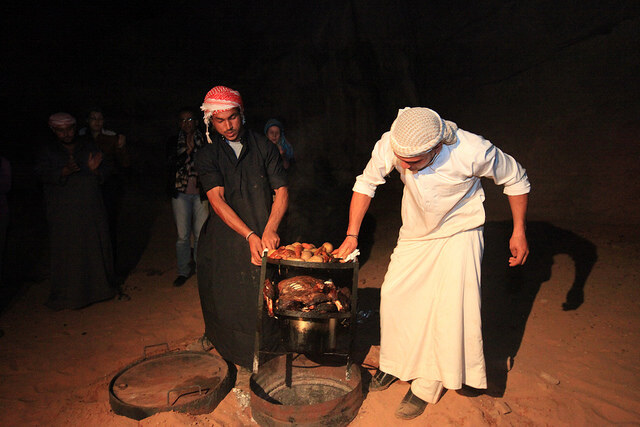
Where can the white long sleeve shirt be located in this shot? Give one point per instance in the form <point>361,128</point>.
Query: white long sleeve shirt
<point>446,197</point>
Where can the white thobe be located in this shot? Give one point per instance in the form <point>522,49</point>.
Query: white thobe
<point>430,298</point>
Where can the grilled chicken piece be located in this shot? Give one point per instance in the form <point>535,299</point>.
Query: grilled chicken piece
<point>282,253</point>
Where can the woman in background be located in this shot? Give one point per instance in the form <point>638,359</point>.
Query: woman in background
<point>274,131</point>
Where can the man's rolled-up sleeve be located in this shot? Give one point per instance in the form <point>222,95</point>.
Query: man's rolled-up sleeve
<point>379,166</point>
<point>503,170</point>
<point>208,170</point>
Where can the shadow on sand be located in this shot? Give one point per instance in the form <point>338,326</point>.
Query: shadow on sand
<point>507,294</point>
<point>134,229</point>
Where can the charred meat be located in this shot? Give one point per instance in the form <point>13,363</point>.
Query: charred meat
<point>306,294</point>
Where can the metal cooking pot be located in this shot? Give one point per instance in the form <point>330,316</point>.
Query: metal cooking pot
<point>312,332</point>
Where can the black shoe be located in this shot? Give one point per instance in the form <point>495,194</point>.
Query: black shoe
<point>180,280</point>
<point>381,381</point>
<point>410,407</point>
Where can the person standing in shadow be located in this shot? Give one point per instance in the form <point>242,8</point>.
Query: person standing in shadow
<point>71,170</point>
<point>189,203</point>
<point>115,152</point>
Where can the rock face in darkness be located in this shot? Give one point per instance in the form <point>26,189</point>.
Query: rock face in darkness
<point>523,75</point>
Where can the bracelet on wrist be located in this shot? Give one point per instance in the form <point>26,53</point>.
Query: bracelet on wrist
<point>249,235</point>
<point>355,236</point>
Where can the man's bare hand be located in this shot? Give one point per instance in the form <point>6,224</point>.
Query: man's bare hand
<point>270,239</point>
<point>349,245</point>
<point>70,167</point>
<point>94,161</point>
<point>519,249</point>
<point>256,248</point>
<point>122,141</point>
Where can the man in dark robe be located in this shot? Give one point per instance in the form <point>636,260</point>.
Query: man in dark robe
<point>115,152</point>
<point>240,170</point>
<point>71,169</point>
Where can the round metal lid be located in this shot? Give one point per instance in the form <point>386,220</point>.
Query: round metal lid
<point>186,381</point>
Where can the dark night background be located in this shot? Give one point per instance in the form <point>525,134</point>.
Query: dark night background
<point>553,83</point>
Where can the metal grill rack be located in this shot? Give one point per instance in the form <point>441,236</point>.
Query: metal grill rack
<point>342,274</point>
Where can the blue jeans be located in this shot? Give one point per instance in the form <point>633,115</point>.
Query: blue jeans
<point>190,213</point>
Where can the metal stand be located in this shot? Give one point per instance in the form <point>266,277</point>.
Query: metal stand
<point>309,269</point>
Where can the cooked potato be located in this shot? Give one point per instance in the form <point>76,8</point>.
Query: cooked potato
<point>301,251</point>
<point>328,247</point>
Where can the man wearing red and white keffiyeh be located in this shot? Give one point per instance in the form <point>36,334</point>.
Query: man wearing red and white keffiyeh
<point>218,100</point>
<point>240,172</point>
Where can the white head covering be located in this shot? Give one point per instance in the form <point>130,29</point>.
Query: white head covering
<point>418,130</point>
<point>61,119</point>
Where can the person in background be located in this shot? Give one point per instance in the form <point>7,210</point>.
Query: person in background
<point>95,124</point>
<point>71,170</point>
<point>274,131</point>
<point>115,152</point>
<point>239,170</point>
<point>5,187</point>
<point>430,327</point>
<point>189,203</point>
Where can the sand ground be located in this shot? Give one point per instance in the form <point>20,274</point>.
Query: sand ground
<point>568,367</point>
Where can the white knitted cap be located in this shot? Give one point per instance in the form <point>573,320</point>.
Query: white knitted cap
<point>418,130</point>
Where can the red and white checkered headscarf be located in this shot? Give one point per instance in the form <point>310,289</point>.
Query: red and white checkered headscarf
<point>61,120</point>
<point>220,98</point>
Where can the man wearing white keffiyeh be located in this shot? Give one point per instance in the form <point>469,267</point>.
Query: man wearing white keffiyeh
<point>430,328</point>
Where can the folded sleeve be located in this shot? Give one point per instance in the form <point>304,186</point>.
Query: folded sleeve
<point>491,162</point>
<point>380,165</point>
<point>208,169</point>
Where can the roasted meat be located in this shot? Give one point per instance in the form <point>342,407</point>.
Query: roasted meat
<point>301,300</point>
<point>306,294</point>
<point>269,295</point>
<point>297,283</point>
